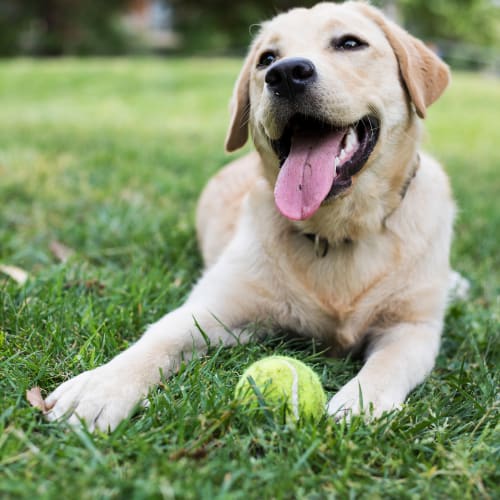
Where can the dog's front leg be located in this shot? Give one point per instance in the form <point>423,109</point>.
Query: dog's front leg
<point>397,361</point>
<point>102,397</point>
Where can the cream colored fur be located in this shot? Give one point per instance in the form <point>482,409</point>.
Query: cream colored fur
<point>384,280</point>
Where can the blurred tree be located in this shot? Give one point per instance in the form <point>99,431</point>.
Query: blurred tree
<point>224,24</point>
<point>56,27</point>
<point>473,21</point>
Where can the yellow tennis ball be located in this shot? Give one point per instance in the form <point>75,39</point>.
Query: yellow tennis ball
<point>282,383</point>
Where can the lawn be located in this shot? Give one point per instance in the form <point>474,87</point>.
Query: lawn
<point>108,157</point>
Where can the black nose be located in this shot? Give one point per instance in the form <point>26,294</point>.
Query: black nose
<point>290,76</point>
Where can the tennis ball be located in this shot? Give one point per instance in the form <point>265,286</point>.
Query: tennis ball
<point>283,386</point>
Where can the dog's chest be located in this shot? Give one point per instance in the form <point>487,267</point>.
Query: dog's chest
<point>333,296</point>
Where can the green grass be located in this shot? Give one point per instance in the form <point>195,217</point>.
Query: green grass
<point>108,156</point>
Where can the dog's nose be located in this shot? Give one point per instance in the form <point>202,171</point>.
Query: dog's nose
<point>290,76</point>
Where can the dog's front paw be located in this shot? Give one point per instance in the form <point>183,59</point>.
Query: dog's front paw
<point>101,398</point>
<point>354,399</point>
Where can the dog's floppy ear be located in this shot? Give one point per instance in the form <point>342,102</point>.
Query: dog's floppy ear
<point>237,133</point>
<point>424,74</point>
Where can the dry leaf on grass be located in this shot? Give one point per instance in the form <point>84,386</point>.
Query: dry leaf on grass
<point>34,396</point>
<point>91,285</point>
<point>20,276</point>
<point>60,251</point>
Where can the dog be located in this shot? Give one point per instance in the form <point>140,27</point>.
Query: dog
<point>337,227</point>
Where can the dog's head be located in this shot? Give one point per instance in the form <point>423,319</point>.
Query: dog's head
<point>328,93</point>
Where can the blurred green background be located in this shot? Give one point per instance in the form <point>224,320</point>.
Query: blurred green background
<point>465,32</point>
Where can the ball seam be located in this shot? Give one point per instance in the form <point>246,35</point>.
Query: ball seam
<point>295,390</point>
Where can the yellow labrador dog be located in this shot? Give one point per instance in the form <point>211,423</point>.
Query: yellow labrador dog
<point>337,227</point>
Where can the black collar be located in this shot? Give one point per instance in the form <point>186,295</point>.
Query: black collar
<point>412,175</point>
<point>322,245</point>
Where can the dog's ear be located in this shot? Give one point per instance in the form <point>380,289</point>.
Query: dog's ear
<point>239,106</point>
<point>425,75</point>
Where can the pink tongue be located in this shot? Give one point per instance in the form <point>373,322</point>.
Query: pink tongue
<point>306,177</point>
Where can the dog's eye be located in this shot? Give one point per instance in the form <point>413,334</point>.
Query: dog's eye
<point>349,42</point>
<point>266,59</point>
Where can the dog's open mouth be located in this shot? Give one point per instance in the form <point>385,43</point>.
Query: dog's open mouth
<point>318,160</point>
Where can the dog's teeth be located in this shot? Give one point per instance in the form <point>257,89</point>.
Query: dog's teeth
<point>337,161</point>
<point>343,154</point>
<point>351,140</point>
